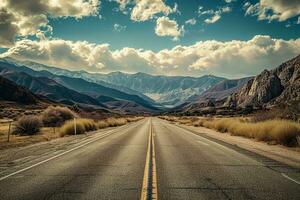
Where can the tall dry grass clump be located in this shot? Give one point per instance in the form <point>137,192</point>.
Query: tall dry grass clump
<point>85,125</point>
<point>28,125</point>
<point>102,124</point>
<point>55,116</point>
<point>69,129</point>
<point>112,122</point>
<point>88,124</point>
<point>283,132</point>
<point>134,119</point>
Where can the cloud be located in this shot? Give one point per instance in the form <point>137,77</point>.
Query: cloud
<point>23,18</point>
<point>146,9</point>
<point>119,28</point>
<point>192,21</point>
<point>270,10</point>
<point>215,14</point>
<point>230,59</point>
<point>168,27</point>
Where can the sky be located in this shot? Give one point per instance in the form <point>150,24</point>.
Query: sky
<point>229,38</point>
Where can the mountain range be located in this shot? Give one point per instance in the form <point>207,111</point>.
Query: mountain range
<point>167,91</point>
<point>144,93</point>
<point>268,89</point>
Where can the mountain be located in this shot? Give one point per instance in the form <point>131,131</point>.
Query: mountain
<point>223,89</point>
<point>12,92</point>
<point>280,85</point>
<point>167,90</point>
<point>47,87</point>
<point>94,92</point>
<point>90,77</point>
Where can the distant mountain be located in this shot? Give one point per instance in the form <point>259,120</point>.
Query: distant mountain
<point>90,77</point>
<point>224,89</point>
<point>49,88</point>
<point>96,93</point>
<point>167,90</point>
<point>280,85</point>
<point>12,92</point>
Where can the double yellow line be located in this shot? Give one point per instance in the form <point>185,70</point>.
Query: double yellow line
<point>149,188</point>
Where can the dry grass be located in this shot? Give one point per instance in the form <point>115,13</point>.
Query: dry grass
<point>85,125</point>
<point>28,125</point>
<point>283,132</point>
<point>56,116</point>
<point>69,128</point>
<point>112,122</point>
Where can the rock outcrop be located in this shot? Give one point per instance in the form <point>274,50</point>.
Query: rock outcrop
<point>280,85</point>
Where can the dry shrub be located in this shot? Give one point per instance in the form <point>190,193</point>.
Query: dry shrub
<point>112,122</point>
<point>69,129</point>
<point>134,119</point>
<point>102,124</point>
<point>280,131</point>
<point>28,125</point>
<point>56,116</point>
<point>88,124</point>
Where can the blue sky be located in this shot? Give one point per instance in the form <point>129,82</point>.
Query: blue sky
<point>230,38</point>
<point>232,26</point>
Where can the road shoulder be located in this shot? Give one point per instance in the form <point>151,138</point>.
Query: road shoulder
<point>286,155</point>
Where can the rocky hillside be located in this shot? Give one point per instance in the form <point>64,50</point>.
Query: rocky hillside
<point>224,89</point>
<point>280,85</point>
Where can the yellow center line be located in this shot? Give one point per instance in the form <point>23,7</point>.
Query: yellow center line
<point>149,188</point>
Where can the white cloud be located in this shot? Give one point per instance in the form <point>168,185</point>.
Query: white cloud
<point>23,18</point>
<point>213,19</point>
<point>147,9</point>
<point>231,59</point>
<point>215,14</point>
<point>119,28</point>
<point>168,27</point>
<point>280,10</point>
<point>191,21</point>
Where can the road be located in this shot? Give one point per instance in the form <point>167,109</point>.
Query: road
<point>151,159</point>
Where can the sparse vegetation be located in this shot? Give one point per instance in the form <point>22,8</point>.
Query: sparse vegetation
<point>84,125</point>
<point>280,131</point>
<point>28,125</point>
<point>69,129</point>
<point>116,121</point>
<point>56,116</point>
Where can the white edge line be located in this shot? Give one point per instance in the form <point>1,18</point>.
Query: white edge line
<point>286,176</point>
<point>61,154</point>
<point>203,138</point>
<point>204,143</point>
<point>56,156</point>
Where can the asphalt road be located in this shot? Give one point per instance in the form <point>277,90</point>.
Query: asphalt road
<point>152,159</point>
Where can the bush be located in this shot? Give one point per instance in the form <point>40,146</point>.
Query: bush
<point>56,116</point>
<point>28,125</point>
<point>102,124</point>
<point>112,122</point>
<point>68,128</point>
<point>88,124</point>
<point>283,132</point>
